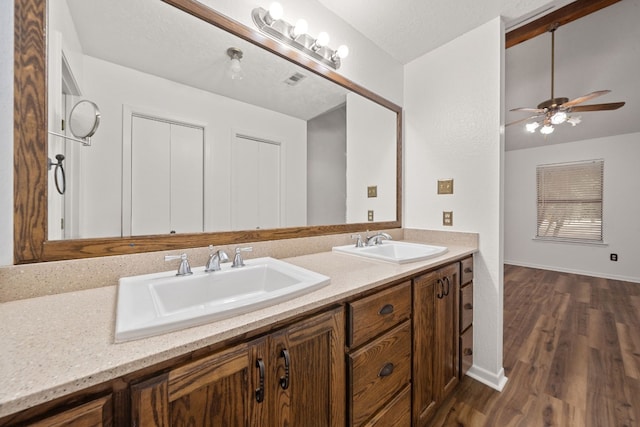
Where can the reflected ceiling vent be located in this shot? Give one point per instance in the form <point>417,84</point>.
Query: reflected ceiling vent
<point>295,78</point>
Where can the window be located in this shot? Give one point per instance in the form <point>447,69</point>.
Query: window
<point>570,201</point>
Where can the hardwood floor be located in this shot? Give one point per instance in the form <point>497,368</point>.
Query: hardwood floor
<point>571,353</point>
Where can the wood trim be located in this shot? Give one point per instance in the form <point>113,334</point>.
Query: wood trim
<point>30,152</point>
<point>30,124</point>
<point>562,16</point>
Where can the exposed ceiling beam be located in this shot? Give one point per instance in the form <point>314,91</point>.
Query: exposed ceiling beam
<point>562,16</point>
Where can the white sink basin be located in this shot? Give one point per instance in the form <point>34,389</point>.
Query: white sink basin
<point>393,251</point>
<point>156,303</point>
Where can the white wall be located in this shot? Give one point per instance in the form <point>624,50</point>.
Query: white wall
<point>621,209</point>
<point>112,86</point>
<point>371,160</point>
<point>453,114</point>
<point>6,132</point>
<point>327,168</point>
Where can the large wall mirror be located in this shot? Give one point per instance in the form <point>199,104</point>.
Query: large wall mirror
<point>186,153</point>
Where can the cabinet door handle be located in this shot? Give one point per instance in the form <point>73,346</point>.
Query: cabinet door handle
<point>446,279</point>
<point>284,381</point>
<point>260,389</point>
<point>467,352</point>
<point>440,293</point>
<point>386,309</point>
<point>386,370</point>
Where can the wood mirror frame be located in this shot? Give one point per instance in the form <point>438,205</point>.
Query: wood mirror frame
<point>30,150</point>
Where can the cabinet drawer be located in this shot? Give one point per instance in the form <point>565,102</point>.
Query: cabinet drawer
<point>396,414</point>
<point>370,316</point>
<point>466,351</point>
<point>378,371</point>
<point>466,306</point>
<point>466,275</point>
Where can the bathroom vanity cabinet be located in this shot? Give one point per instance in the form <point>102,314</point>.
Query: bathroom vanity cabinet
<point>386,356</point>
<point>290,377</point>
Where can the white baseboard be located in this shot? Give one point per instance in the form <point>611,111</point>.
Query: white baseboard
<point>573,271</point>
<point>493,380</point>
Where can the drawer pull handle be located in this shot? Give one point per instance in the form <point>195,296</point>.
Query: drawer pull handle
<point>284,381</point>
<point>446,280</point>
<point>386,370</point>
<point>386,309</point>
<point>467,352</point>
<point>468,306</point>
<point>468,270</point>
<point>260,389</point>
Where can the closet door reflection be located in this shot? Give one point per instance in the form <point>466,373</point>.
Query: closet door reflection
<point>255,183</point>
<point>164,202</point>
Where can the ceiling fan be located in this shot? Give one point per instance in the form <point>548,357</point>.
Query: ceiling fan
<point>555,111</point>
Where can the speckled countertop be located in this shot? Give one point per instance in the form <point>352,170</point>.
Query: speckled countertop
<point>57,344</point>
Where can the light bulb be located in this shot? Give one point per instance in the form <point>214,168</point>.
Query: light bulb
<point>235,70</point>
<point>299,29</point>
<point>323,39</point>
<point>559,117</point>
<point>546,129</point>
<point>574,120</point>
<point>531,127</point>
<point>342,51</point>
<point>275,11</point>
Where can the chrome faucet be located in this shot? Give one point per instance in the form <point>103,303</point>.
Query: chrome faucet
<point>358,239</point>
<point>376,239</point>
<point>237,259</point>
<point>215,259</point>
<point>184,269</point>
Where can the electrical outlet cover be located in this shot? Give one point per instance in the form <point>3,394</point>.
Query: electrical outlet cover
<point>447,218</point>
<point>445,186</point>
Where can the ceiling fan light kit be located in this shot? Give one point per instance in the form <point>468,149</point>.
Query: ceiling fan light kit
<point>556,111</point>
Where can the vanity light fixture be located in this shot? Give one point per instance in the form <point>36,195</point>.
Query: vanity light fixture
<point>271,23</point>
<point>235,70</point>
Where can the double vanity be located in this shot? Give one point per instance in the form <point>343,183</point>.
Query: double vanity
<point>358,336</point>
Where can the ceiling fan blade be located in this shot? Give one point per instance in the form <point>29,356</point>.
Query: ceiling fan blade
<point>597,107</point>
<point>529,110</point>
<point>523,120</point>
<point>584,98</point>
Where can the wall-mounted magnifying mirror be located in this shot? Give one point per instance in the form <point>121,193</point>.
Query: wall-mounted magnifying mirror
<point>84,120</point>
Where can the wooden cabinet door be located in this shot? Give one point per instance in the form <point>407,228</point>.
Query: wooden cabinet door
<point>447,331</point>
<point>436,339</point>
<point>97,413</point>
<point>309,371</point>
<point>219,390</point>
<point>424,355</point>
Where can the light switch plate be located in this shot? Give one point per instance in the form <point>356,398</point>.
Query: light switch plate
<point>447,218</point>
<point>445,186</point>
<point>370,215</point>
<point>372,191</point>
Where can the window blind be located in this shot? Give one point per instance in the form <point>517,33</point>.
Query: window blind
<point>570,201</point>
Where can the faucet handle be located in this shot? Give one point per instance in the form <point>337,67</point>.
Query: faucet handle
<point>237,259</point>
<point>359,243</point>
<point>184,269</point>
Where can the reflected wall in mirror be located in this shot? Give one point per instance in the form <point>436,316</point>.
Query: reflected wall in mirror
<point>182,148</point>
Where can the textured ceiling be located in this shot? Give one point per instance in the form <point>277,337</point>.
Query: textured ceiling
<point>156,38</point>
<point>408,29</point>
<point>598,51</point>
